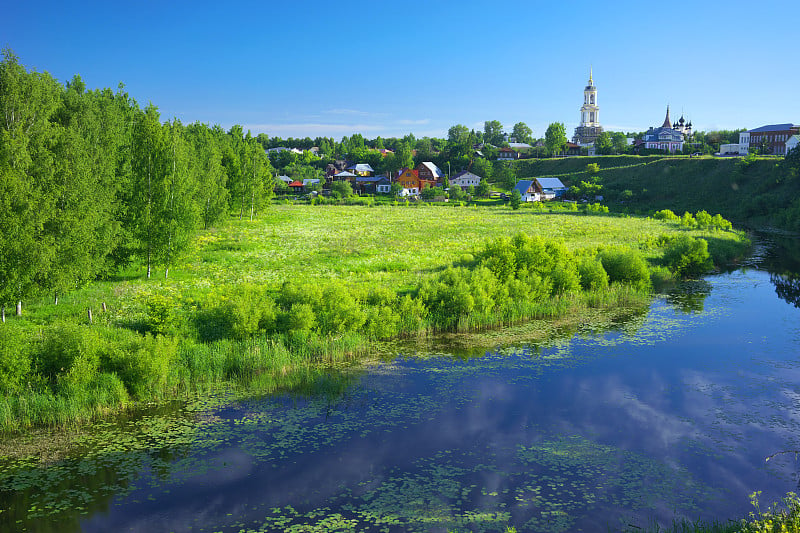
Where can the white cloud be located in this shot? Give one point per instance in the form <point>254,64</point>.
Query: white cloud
<point>312,129</point>
<point>410,122</point>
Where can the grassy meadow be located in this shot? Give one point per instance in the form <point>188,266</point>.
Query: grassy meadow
<point>259,303</point>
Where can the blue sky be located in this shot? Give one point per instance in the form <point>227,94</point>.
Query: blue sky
<point>389,68</point>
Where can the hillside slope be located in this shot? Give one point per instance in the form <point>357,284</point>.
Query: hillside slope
<point>763,192</point>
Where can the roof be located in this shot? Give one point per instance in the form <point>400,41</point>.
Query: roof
<point>310,181</point>
<point>773,127</point>
<point>344,174</point>
<point>520,146</point>
<point>550,183</point>
<point>361,167</point>
<point>464,173</point>
<point>667,123</point>
<point>436,171</point>
<point>413,171</point>
<point>371,179</point>
<point>295,184</point>
<point>522,186</point>
<point>287,179</point>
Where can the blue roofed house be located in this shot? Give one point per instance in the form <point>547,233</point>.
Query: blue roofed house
<point>361,169</point>
<point>527,190</point>
<point>549,188</point>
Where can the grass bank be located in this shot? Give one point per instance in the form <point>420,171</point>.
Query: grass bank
<point>757,192</point>
<point>268,303</point>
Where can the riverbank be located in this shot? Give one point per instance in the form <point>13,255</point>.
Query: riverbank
<point>310,286</point>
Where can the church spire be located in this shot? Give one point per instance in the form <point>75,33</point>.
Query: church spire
<point>667,123</point>
<point>591,81</point>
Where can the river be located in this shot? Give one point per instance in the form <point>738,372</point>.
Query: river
<point>667,415</point>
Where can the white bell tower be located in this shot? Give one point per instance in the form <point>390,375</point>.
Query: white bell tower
<point>590,112</point>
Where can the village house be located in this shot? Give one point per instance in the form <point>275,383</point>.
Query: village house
<point>372,184</point>
<point>792,143</point>
<point>507,154</point>
<point>409,182</point>
<point>361,169</point>
<point>465,179</point>
<point>773,137</point>
<point>527,191</point>
<point>429,172</point>
<point>549,188</point>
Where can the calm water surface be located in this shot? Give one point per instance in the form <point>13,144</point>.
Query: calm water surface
<point>669,414</point>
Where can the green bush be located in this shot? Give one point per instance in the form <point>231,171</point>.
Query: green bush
<point>164,313</point>
<point>626,266</point>
<point>592,275</point>
<point>666,214</point>
<point>249,310</point>
<point>15,359</point>
<point>68,354</point>
<point>688,257</point>
<point>339,311</point>
<point>143,363</point>
<point>299,317</point>
<point>703,219</point>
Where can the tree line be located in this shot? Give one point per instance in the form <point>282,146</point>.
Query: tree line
<point>90,181</point>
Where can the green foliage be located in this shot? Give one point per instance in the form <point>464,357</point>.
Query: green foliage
<point>592,274</point>
<point>163,313</point>
<point>15,359</point>
<point>774,519</point>
<point>249,310</point>
<point>592,168</point>
<point>342,188</point>
<point>555,138</point>
<point>688,257</point>
<point>596,208</point>
<point>626,266</point>
<point>516,200</point>
<point>68,355</point>
<point>666,214</point>
<point>143,363</point>
<point>429,193</point>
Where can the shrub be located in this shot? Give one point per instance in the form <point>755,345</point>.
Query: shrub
<point>248,311</point>
<point>164,313</point>
<point>703,219</point>
<point>666,214</point>
<point>592,275</point>
<point>626,266</point>
<point>299,317</point>
<point>688,220</point>
<point>15,359</point>
<point>596,208</point>
<point>142,363</point>
<point>69,354</point>
<point>412,314</point>
<point>688,257</point>
<point>339,312</point>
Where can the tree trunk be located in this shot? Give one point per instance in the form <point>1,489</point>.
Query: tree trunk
<point>89,312</point>
<point>166,273</point>
<point>55,299</point>
<point>104,307</point>
<point>19,308</point>
<point>148,264</point>
<point>3,313</point>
